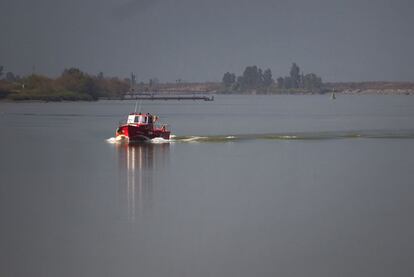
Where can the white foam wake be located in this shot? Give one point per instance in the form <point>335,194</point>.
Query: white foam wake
<point>159,140</point>
<point>117,139</point>
<point>193,139</point>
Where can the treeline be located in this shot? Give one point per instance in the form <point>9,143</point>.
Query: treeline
<point>254,79</point>
<point>71,85</point>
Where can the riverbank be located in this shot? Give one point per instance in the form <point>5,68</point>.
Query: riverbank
<point>16,92</point>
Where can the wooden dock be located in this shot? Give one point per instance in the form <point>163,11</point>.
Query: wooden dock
<point>163,97</point>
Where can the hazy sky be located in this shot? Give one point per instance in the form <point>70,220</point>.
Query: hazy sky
<point>196,40</point>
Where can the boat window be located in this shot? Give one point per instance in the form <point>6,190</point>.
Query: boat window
<point>140,119</point>
<point>131,119</point>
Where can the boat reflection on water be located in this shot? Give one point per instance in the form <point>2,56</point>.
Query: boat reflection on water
<point>140,166</point>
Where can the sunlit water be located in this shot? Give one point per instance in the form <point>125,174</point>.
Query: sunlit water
<point>248,186</point>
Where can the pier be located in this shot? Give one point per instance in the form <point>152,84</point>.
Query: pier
<point>163,97</point>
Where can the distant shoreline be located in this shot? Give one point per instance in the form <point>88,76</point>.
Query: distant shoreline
<point>75,85</point>
<point>353,93</point>
<point>172,89</point>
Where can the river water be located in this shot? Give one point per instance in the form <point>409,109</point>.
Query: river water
<point>250,186</point>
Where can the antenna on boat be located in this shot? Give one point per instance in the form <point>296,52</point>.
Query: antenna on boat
<point>136,102</point>
<point>139,107</point>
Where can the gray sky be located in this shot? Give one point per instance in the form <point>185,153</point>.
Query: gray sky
<point>196,40</point>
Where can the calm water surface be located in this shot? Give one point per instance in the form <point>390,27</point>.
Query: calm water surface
<point>279,186</point>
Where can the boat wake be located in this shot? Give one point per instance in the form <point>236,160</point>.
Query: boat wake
<point>118,139</point>
<point>333,135</point>
<point>159,140</point>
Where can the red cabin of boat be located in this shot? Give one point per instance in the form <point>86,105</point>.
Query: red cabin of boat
<point>141,127</point>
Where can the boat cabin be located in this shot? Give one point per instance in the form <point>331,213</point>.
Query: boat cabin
<point>138,118</point>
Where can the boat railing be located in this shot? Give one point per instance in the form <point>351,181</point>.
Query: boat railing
<point>160,125</point>
<point>157,125</point>
<point>125,121</point>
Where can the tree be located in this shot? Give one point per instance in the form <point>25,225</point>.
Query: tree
<point>75,80</point>
<point>295,75</point>
<point>228,79</point>
<point>260,77</point>
<point>251,78</point>
<point>113,86</point>
<point>301,80</point>
<point>100,76</point>
<point>311,81</point>
<point>280,82</point>
<point>133,81</point>
<point>73,71</point>
<point>39,83</point>
<point>267,78</point>
<point>296,80</point>
<point>288,83</point>
<point>1,70</point>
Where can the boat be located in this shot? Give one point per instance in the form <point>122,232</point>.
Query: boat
<point>141,127</point>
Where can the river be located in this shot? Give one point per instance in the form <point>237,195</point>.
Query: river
<point>250,186</point>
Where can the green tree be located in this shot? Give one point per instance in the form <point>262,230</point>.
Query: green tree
<point>280,82</point>
<point>73,79</point>
<point>113,87</point>
<point>295,75</point>
<point>260,76</point>
<point>1,70</point>
<point>288,83</point>
<point>311,81</point>
<point>251,78</point>
<point>228,79</point>
<point>267,78</point>
<point>296,79</point>
<point>39,83</point>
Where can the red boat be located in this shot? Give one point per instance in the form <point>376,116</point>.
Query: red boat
<point>141,127</point>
